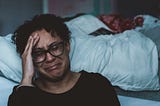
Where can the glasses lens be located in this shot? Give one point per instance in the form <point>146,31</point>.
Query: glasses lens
<point>38,56</point>
<point>56,49</point>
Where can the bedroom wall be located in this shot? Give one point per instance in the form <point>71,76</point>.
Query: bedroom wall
<point>130,8</point>
<point>15,12</point>
<point>72,7</point>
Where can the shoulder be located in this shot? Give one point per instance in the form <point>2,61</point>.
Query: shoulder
<point>95,77</point>
<point>92,75</point>
<point>23,89</point>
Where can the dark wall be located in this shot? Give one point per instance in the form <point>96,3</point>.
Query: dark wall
<point>72,7</point>
<point>15,12</point>
<point>131,8</point>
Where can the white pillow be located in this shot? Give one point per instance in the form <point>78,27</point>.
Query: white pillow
<point>10,62</point>
<point>85,24</point>
<point>129,60</point>
<point>6,89</point>
<point>151,29</point>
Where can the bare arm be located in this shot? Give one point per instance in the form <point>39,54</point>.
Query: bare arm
<point>27,63</point>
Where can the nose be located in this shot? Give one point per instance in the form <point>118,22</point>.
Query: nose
<point>49,57</point>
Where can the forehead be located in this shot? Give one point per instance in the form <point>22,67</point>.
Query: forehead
<point>45,38</point>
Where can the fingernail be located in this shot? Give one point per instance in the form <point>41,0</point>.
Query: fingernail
<point>30,37</point>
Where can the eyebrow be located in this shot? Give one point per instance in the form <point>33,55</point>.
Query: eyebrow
<point>38,49</point>
<point>53,43</point>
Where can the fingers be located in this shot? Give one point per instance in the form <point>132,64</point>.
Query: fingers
<point>36,39</point>
<point>32,41</point>
<point>27,62</point>
<point>29,42</point>
<point>30,45</point>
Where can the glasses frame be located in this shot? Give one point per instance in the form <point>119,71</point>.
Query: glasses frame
<point>48,51</point>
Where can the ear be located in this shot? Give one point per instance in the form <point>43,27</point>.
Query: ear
<point>68,46</point>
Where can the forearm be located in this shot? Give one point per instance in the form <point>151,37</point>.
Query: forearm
<point>27,63</point>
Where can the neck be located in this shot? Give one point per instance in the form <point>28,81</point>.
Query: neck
<point>61,86</point>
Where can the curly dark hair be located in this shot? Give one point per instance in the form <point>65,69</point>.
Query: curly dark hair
<point>50,22</point>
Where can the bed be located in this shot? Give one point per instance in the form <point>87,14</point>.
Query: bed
<point>7,86</point>
<point>128,59</point>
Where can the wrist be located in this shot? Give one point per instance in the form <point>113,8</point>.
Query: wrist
<point>20,85</point>
<point>26,81</point>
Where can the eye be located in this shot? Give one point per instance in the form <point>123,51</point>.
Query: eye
<point>36,54</point>
<point>54,47</point>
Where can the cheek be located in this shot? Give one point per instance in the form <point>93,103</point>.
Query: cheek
<point>65,59</point>
<point>39,68</point>
<point>66,64</point>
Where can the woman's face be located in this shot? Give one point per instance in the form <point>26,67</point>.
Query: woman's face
<point>55,55</point>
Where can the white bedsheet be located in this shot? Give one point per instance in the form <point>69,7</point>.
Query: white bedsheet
<point>5,90</point>
<point>129,59</point>
<point>130,101</point>
<point>7,85</point>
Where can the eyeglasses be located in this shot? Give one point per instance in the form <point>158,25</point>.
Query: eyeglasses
<point>54,49</point>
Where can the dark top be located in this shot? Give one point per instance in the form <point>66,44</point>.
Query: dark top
<point>90,90</point>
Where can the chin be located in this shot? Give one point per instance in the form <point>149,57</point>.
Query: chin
<point>54,76</point>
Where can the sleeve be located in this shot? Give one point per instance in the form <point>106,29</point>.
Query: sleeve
<point>20,95</point>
